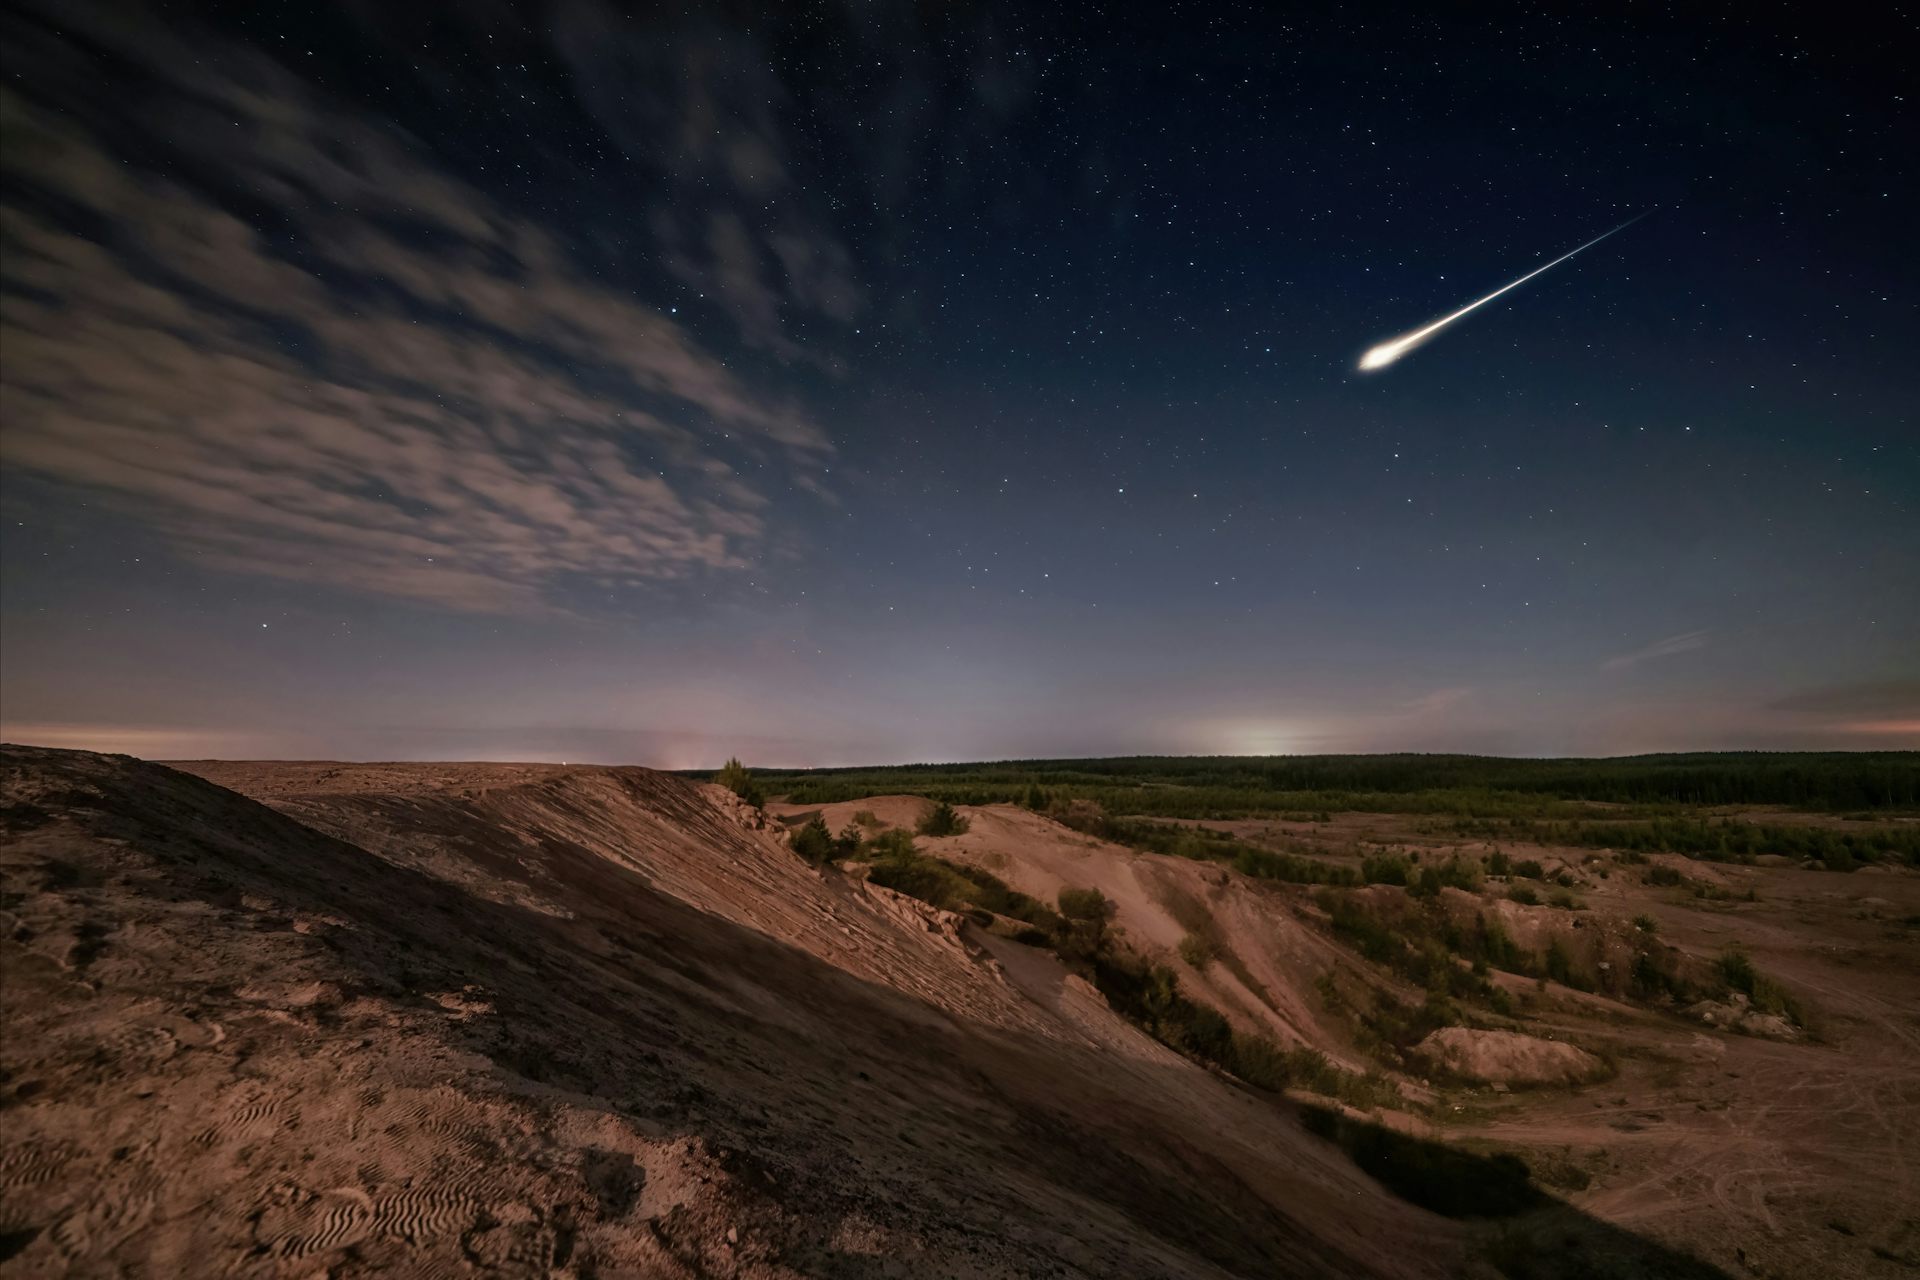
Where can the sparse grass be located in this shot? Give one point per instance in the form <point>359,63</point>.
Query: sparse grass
<point>1737,972</point>
<point>898,864</point>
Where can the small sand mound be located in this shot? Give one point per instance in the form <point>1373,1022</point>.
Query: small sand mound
<point>1506,1057</point>
<point>1736,1013</point>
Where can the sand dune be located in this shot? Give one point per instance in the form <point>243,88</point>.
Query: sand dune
<point>527,1020</point>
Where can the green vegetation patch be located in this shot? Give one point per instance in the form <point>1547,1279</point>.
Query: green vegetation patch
<point>1711,839</point>
<point>1463,786</point>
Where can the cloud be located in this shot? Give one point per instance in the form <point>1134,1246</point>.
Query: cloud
<point>1685,642</point>
<point>705,108</point>
<point>346,367</point>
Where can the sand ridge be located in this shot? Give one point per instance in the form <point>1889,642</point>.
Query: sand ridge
<point>250,1041</point>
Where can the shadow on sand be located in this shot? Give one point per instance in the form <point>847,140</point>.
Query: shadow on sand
<point>1539,1238</point>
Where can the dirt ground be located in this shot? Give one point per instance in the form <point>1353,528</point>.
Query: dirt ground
<point>320,1018</point>
<point>1763,1158</point>
<point>1766,1158</point>
<point>467,1020</point>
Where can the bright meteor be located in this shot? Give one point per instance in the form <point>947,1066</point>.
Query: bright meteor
<point>1387,352</point>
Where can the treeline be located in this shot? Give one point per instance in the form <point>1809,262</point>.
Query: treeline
<point>1207,786</point>
<point>1717,840</point>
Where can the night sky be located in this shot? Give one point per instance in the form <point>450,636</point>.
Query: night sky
<point>880,383</point>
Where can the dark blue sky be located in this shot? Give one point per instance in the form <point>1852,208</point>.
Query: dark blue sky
<point>858,383</point>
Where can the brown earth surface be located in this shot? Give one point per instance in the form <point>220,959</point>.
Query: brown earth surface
<point>446,1019</point>
<point>322,1018</point>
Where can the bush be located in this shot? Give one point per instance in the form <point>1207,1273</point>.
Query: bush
<point>734,777</point>
<point>1499,864</point>
<point>813,841</point>
<point>1199,950</point>
<point>943,820</point>
<point>1524,896</point>
<point>927,879</point>
<point>1559,966</point>
<point>1531,869</point>
<point>1083,926</point>
<point>1737,972</point>
<point>1386,868</point>
<point>1645,923</point>
<point>1654,974</point>
<point>895,844</point>
<point>1450,874</point>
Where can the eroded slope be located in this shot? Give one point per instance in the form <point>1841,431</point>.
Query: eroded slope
<point>458,1019</point>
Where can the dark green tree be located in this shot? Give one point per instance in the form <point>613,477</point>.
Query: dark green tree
<point>813,841</point>
<point>943,820</point>
<point>734,777</point>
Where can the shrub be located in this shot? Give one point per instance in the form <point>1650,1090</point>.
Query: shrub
<point>813,841</point>
<point>1645,923</point>
<point>734,777</point>
<point>1385,868</point>
<point>895,844</point>
<point>1566,901</point>
<point>1524,896</point>
<point>1653,975</point>
<point>1199,950</point>
<point>1264,864</point>
<point>1498,946</point>
<point>1499,864</point>
<point>1083,925</point>
<point>943,820</point>
<point>1450,874</point>
<point>1531,869</point>
<point>1559,965</point>
<point>1665,876</point>
<point>1260,1062</point>
<point>1737,972</point>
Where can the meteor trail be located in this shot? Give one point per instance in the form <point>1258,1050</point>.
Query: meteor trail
<point>1387,352</point>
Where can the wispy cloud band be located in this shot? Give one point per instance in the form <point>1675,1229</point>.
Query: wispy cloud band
<point>349,367</point>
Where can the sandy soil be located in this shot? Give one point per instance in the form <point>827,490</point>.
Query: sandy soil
<point>462,1019</point>
<point>1508,1057</point>
<point>1768,1158</point>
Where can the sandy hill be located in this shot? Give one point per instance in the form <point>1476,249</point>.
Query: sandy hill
<point>451,1019</point>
